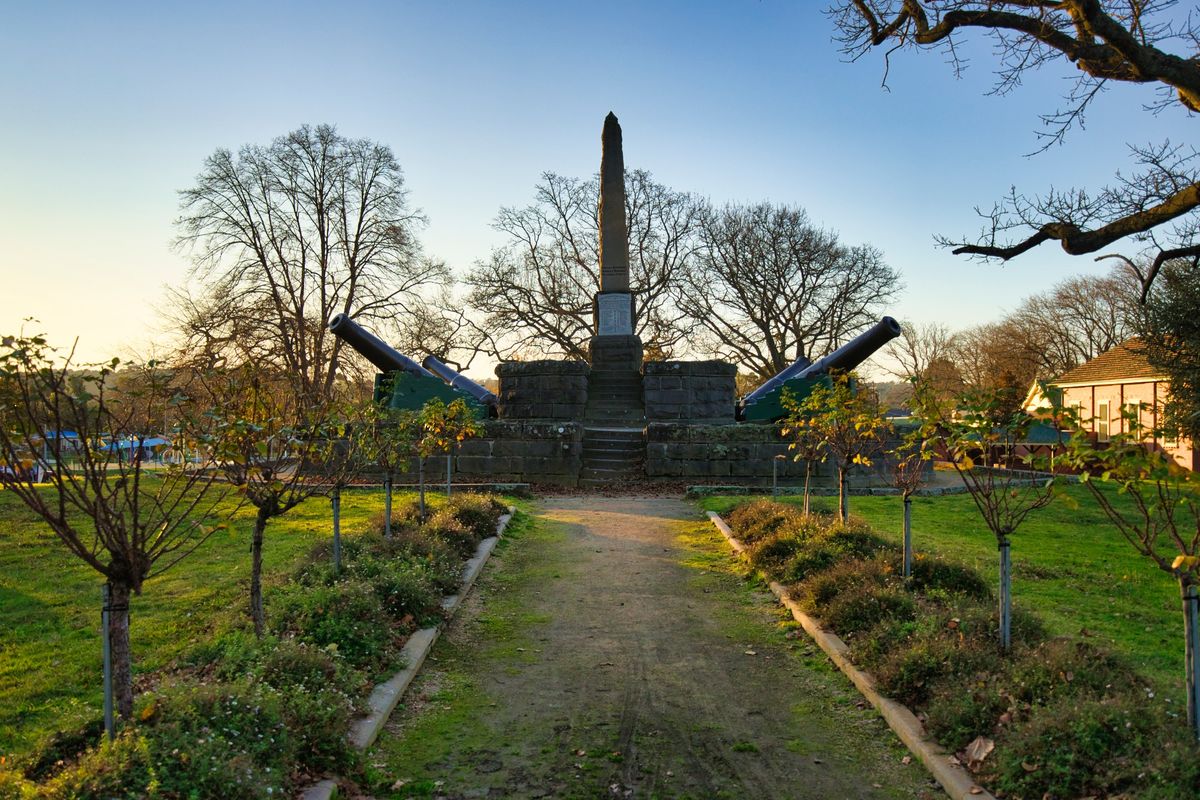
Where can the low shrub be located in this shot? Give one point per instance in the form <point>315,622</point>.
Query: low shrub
<point>1074,748</point>
<point>478,513</point>
<point>959,711</point>
<point>347,615</point>
<point>759,519</point>
<point>932,576</point>
<point>771,552</point>
<point>13,785</point>
<point>408,593</point>
<point>318,719</point>
<point>1066,668</point>
<point>231,655</point>
<point>831,546</point>
<point>122,769</point>
<point>446,527</point>
<point>943,648</point>
<point>219,740</point>
<point>852,612</point>
<point>818,590</point>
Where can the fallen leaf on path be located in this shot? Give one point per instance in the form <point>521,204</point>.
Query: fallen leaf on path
<point>751,653</point>
<point>976,790</point>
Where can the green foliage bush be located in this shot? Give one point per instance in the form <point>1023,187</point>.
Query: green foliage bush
<point>762,518</point>
<point>961,709</point>
<point>835,544</point>
<point>933,576</point>
<point>772,552</point>
<point>446,527</point>
<point>1070,749</point>
<point>122,769</point>
<point>478,513</point>
<point>347,614</point>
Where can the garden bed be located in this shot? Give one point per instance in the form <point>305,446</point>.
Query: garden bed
<point>1054,717</point>
<point>241,717</point>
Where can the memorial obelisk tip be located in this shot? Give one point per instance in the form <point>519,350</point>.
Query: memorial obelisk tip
<point>614,238</point>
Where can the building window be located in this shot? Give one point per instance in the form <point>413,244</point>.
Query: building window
<point>1102,421</point>
<point>1133,419</point>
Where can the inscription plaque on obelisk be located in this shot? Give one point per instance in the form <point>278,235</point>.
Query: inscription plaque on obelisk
<point>614,302</point>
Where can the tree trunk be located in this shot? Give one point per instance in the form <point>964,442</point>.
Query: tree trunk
<point>1191,650</point>
<point>1005,593</point>
<point>256,600</point>
<point>907,536</point>
<point>387,505</point>
<point>843,495</point>
<point>118,643</point>
<point>449,469</point>
<point>807,483</point>
<point>421,486</point>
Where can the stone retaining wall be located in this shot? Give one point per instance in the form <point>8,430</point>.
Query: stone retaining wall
<point>546,390</point>
<point>739,452</point>
<point>698,391</point>
<point>528,452</point>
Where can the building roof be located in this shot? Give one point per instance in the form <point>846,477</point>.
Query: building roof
<point>1122,363</point>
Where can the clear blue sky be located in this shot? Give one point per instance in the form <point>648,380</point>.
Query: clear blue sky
<point>110,109</point>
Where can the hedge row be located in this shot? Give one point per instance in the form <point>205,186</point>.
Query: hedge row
<point>248,718</point>
<point>1068,719</point>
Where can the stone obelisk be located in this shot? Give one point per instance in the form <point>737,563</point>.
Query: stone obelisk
<point>614,302</point>
<point>615,398</point>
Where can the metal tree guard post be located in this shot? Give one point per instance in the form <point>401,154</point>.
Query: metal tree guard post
<point>105,609</point>
<point>387,505</point>
<point>907,536</point>
<point>1191,617</point>
<point>336,501</point>
<point>1005,593</point>
<point>449,467</point>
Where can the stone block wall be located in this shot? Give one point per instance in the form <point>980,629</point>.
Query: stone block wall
<point>523,452</point>
<point>623,353</point>
<point>737,453</point>
<point>545,390</point>
<point>698,391</point>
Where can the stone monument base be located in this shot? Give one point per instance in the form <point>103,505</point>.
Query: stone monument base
<point>616,353</point>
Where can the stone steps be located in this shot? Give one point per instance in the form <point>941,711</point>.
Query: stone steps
<point>612,455</point>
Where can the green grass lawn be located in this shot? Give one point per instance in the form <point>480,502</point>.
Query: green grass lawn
<point>50,665</point>
<point>1070,567</point>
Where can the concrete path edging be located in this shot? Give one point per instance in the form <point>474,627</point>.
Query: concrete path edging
<point>386,696</point>
<point>955,780</point>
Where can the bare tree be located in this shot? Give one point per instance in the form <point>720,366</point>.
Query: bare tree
<point>286,235</point>
<point>997,357</point>
<point>1077,320</point>
<point>769,286</point>
<point>1106,41</point>
<point>919,348</point>
<point>537,290</point>
<point>80,436</point>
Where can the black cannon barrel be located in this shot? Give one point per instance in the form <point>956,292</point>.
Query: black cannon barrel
<point>374,349</point>
<point>777,379</point>
<point>458,380</point>
<point>855,351</point>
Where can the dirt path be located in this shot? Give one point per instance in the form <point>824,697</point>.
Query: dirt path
<point>612,650</point>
